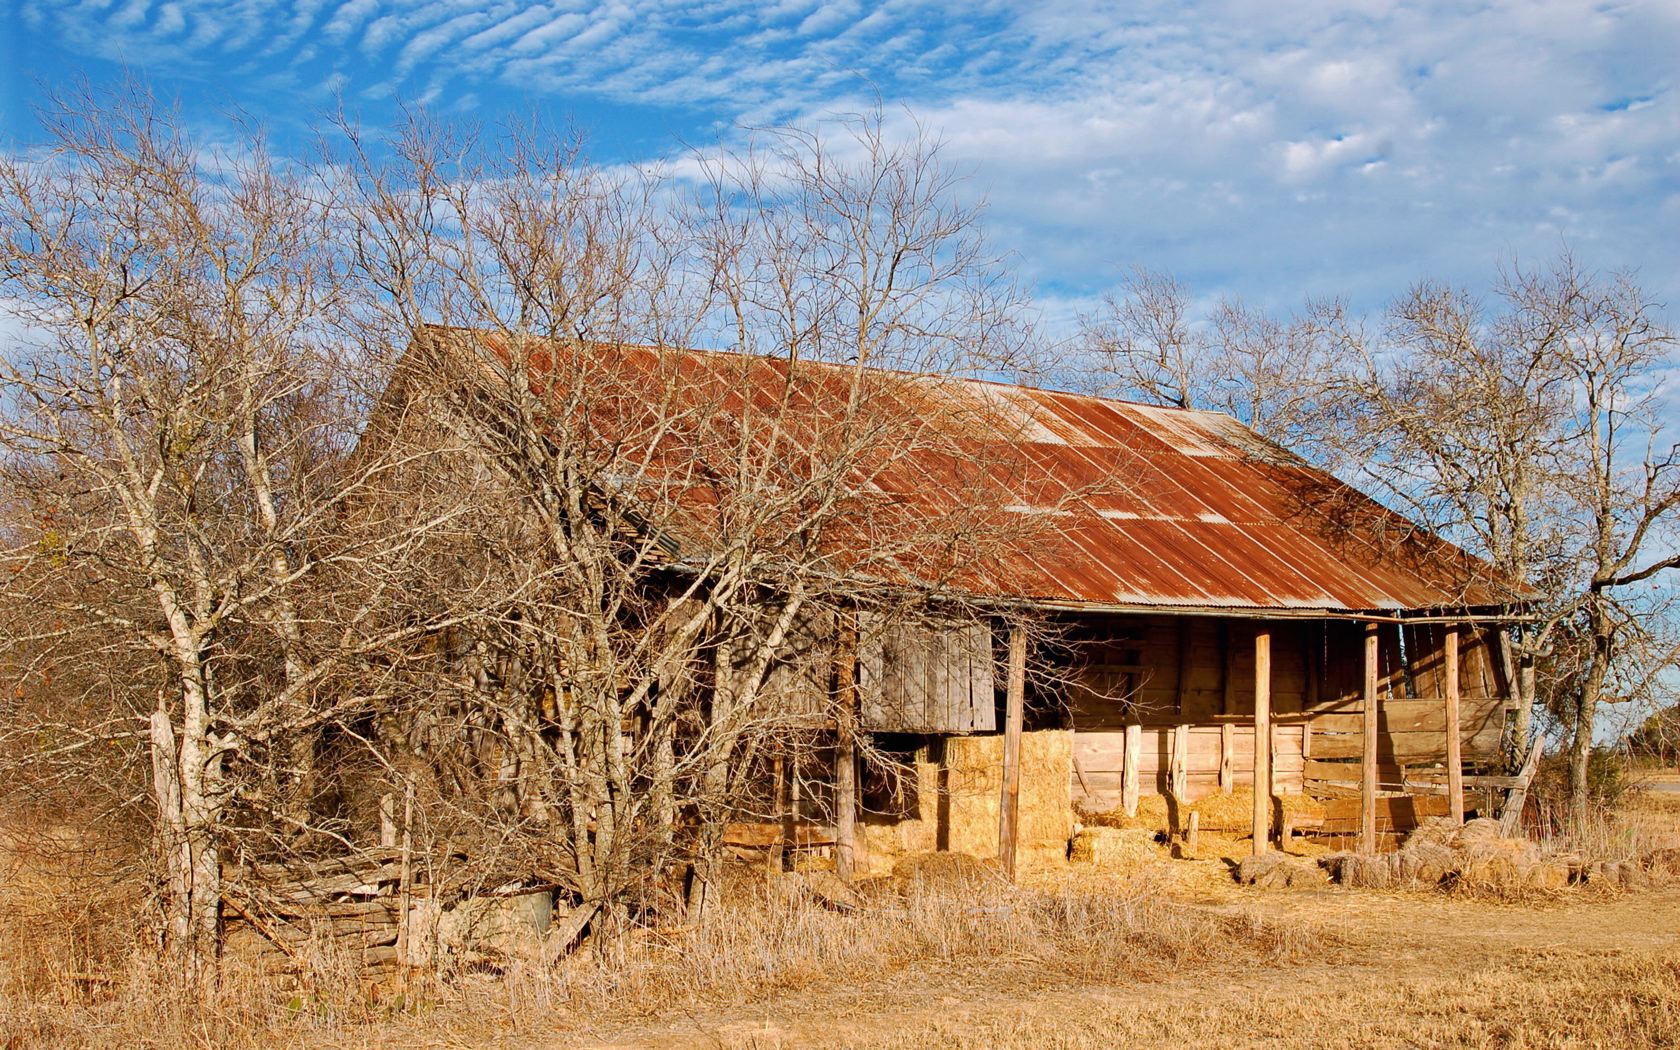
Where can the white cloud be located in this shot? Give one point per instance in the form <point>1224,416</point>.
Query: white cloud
<point>1332,148</point>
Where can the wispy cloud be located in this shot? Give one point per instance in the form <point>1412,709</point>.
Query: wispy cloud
<point>1334,148</point>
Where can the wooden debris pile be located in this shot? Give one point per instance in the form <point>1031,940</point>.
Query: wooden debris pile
<point>355,906</point>
<point>354,903</point>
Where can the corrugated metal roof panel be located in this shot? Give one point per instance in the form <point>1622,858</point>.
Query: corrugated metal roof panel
<point>1138,504</point>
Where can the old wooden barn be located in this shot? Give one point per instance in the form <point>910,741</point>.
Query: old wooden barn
<point>1193,610</point>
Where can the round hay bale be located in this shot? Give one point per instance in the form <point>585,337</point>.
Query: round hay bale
<point>1257,870</point>
<point>1433,833</point>
<point>1300,873</point>
<point>1482,829</point>
<point>1427,862</point>
<point>1549,875</point>
<point>1365,870</point>
<point>941,870</point>
<point>1663,863</point>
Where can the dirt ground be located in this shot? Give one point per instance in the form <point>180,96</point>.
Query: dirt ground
<point>1386,969</point>
<point>1377,969</point>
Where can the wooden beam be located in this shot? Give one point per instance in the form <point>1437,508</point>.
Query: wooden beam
<point>1014,704</point>
<point>1227,756</point>
<point>1455,760</point>
<point>1368,759</point>
<point>1129,769</point>
<point>1262,739</point>
<point>845,750</point>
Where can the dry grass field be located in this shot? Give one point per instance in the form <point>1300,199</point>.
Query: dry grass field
<point>945,956</point>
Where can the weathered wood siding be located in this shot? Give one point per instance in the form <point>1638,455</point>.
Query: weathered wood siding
<point>926,679</point>
<point>1162,671</point>
<point>1099,762</point>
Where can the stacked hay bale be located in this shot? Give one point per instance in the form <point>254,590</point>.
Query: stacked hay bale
<point>974,770</point>
<point>959,793</point>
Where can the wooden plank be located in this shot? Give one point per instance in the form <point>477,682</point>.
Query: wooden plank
<point>1405,716</point>
<point>1411,748</point>
<point>1227,737</point>
<point>1455,762</point>
<point>1262,781</point>
<point>1129,769</point>
<point>1013,712</point>
<point>1368,759</point>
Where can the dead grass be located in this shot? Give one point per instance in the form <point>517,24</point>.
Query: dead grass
<point>768,941</point>
<point>942,954</point>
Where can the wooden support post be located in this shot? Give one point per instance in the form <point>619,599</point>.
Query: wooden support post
<point>1192,834</point>
<point>1181,763</point>
<point>1129,771</point>
<point>845,750</point>
<point>1455,758</point>
<point>1368,755</point>
<point>1227,757</point>
<point>778,857</point>
<point>1013,715</point>
<point>1262,739</point>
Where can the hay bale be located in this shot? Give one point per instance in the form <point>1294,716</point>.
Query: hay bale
<point>1663,863</point>
<point>1362,870</point>
<point>1433,833</point>
<point>974,773</point>
<point>1113,847</point>
<point>1482,829</point>
<point>1257,870</point>
<point>1427,862</point>
<point>958,870</point>
<point>1234,810</point>
<point>1549,875</point>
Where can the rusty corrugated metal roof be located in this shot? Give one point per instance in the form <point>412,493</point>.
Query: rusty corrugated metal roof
<point>1140,505</point>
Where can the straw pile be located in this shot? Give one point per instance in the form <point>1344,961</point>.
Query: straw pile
<point>1124,848</point>
<point>965,820</point>
<point>1223,811</point>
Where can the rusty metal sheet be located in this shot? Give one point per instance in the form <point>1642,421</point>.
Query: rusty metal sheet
<point>1121,504</point>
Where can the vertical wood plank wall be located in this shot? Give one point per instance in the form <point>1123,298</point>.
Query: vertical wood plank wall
<point>1158,672</point>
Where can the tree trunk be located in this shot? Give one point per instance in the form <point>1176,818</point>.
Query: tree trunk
<point>1586,710</point>
<point>186,789</point>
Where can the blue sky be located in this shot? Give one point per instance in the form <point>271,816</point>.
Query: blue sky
<point>1262,149</point>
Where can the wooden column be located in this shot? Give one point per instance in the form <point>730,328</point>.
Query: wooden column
<point>1013,714</point>
<point>1368,755</point>
<point>845,749</point>
<point>1129,771</point>
<point>1227,757</point>
<point>1455,759</point>
<point>1262,739</point>
<point>780,856</point>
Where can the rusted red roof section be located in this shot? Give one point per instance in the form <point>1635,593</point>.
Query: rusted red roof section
<point>1137,505</point>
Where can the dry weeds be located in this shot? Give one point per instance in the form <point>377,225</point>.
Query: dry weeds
<point>942,954</point>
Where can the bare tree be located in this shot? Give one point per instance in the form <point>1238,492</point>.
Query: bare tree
<point>674,541</point>
<point>1530,434</point>
<point>175,426</point>
<point>1278,376</point>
